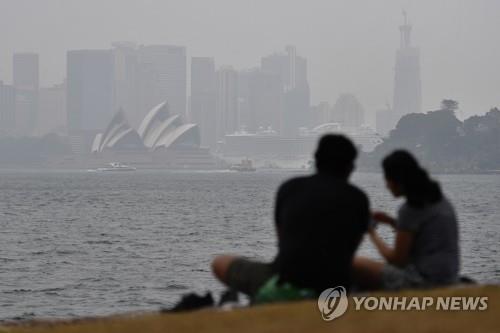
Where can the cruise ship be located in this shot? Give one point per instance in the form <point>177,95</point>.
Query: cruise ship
<point>267,147</point>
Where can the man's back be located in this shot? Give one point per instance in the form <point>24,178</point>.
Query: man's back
<point>320,221</point>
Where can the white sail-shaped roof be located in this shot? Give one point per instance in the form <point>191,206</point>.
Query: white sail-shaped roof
<point>111,143</point>
<point>117,130</point>
<point>96,143</point>
<point>158,113</point>
<point>160,130</point>
<point>175,135</point>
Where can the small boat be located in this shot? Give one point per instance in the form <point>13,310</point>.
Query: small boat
<point>246,165</point>
<point>117,166</point>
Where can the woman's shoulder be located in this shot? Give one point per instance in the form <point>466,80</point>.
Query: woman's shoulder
<point>445,206</point>
<point>442,206</point>
<point>407,211</point>
<point>409,217</point>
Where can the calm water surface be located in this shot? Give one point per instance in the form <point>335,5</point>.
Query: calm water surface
<point>82,243</point>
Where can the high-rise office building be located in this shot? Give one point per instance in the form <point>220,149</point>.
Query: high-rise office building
<point>52,110</point>
<point>126,81</point>
<point>261,100</point>
<point>90,89</point>
<point>291,68</point>
<point>162,75</point>
<point>228,119</point>
<point>348,111</point>
<point>89,95</point>
<point>297,104</point>
<point>26,82</point>
<point>26,74</point>
<point>407,85</point>
<point>7,110</point>
<point>247,116</point>
<point>203,99</point>
<point>320,114</point>
<point>292,71</point>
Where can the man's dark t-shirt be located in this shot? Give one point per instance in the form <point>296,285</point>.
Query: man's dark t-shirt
<point>320,222</point>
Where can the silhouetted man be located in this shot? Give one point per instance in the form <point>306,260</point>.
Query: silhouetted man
<point>320,221</point>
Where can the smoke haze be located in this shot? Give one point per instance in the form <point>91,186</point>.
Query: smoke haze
<point>350,45</point>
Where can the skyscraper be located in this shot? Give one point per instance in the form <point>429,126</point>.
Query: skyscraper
<point>292,71</point>
<point>89,95</point>
<point>261,100</point>
<point>407,85</point>
<point>26,82</point>
<point>7,109</point>
<point>228,119</point>
<point>348,111</point>
<point>52,110</point>
<point>320,114</point>
<point>162,75</point>
<point>203,98</point>
<point>126,81</point>
<point>90,89</point>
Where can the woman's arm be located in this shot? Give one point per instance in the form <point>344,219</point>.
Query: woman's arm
<point>400,253</point>
<point>384,218</point>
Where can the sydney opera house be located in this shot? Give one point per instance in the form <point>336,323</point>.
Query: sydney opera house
<point>162,140</point>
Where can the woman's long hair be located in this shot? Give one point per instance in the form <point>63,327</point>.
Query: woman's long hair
<point>403,169</point>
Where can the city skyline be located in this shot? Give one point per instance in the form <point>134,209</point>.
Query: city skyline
<point>238,165</point>
<point>349,45</point>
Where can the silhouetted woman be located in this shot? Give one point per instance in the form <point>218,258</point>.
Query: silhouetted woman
<point>425,252</point>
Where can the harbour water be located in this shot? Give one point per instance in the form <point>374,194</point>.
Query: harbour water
<point>79,243</point>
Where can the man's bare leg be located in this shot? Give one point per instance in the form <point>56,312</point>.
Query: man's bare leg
<point>367,273</point>
<point>220,266</point>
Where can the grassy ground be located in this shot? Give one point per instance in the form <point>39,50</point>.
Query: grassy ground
<point>295,317</point>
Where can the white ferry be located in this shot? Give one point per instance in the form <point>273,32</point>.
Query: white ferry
<point>117,166</point>
<point>246,165</point>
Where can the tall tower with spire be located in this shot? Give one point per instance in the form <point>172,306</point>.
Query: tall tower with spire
<point>407,85</point>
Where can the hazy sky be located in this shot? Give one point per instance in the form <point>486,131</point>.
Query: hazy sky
<point>350,44</point>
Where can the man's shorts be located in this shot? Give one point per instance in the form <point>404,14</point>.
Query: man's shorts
<point>248,276</point>
<point>396,278</point>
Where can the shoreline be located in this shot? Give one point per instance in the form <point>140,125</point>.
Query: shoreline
<point>13,169</point>
<point>293,317</point>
